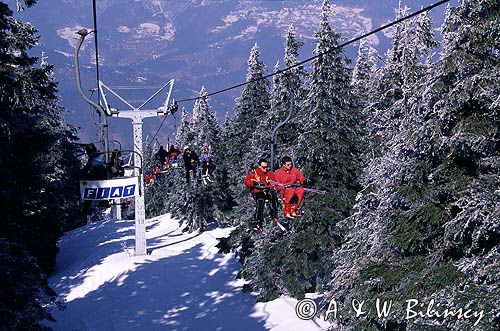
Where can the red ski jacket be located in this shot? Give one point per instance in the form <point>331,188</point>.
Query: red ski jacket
<point>258,176</point>
<point>288,177</point>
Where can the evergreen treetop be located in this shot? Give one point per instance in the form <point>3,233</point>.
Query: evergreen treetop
<point>204,127</point>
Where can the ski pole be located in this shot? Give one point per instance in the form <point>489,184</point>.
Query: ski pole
<point>312,190</point>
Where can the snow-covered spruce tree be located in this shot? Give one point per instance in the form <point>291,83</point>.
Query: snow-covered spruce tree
<point>419,48</point>
<point>184,132</point>
<point>285,84</point>
<point>364,78</point>
<point>260,143</point>
<point>38,171</point>
<point>387,89</point>
<point>197,204</point>
<point>249,110</point>
<point>430,231</point>
<point>204,128</point>
<point>425,39</point>
<point>300,262</point>
<point>329,144</point>
<point>394,93</point>
<point>364,71</point>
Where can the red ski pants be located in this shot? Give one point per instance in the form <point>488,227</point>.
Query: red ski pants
<point>291,191</point>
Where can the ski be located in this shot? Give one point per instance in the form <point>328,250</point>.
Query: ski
<point>281,227</point>
<point>206,179</point>
<point>266,232</point>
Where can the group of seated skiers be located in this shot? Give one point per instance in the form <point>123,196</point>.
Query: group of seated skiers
<point>266,185</point>
<point>170,159</point>
<point>96,167</point>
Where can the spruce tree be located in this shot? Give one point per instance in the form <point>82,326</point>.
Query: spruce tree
<point>289,83</point>
<point>204,128</point>
<point>300,261</point>
<point>184,132</point>
<point>427,231</point>
<point>363,73</point>
<point>260,143</point>
<point>382,114</point>
<point>250,109</point>
<point>426,41</point>
<point>196,204</point>
<point>39,172</point>
<point>328,146</point>
<point>284,85</point>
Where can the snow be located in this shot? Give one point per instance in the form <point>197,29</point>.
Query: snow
<point>146,29</point>
<point>183,284</point>
<point>245,34</point>
<point>68,55</point>
<point>123,29</point>
<point>152,30</point>
<point>305,18</point>
<point>70,35</point>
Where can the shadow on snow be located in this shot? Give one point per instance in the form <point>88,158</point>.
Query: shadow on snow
<point>181,292</point>
<point>112,237</point>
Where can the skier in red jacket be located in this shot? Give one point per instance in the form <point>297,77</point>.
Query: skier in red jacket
<point>291,180</point>
<point>258,180</point>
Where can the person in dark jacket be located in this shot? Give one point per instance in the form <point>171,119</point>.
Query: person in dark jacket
<point>191,161</point>
<point>117,168</point>
<point>258,180</point>
<point>95,168</point>
<point>161,156</point>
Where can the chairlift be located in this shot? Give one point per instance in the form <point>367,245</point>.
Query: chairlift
<point>106,183</point>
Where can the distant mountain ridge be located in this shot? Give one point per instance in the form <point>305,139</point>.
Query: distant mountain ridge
<point>198,42</point>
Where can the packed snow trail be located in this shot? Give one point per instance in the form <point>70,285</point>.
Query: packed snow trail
<point>184,284</point>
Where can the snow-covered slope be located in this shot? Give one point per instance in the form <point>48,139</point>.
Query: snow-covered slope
<point>184,284</point>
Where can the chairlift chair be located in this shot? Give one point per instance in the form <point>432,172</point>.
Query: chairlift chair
<point>106,184</point>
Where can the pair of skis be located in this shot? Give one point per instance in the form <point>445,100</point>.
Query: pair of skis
<point>260,229</point>
<point>205,178</point>
<point>281,226</point>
